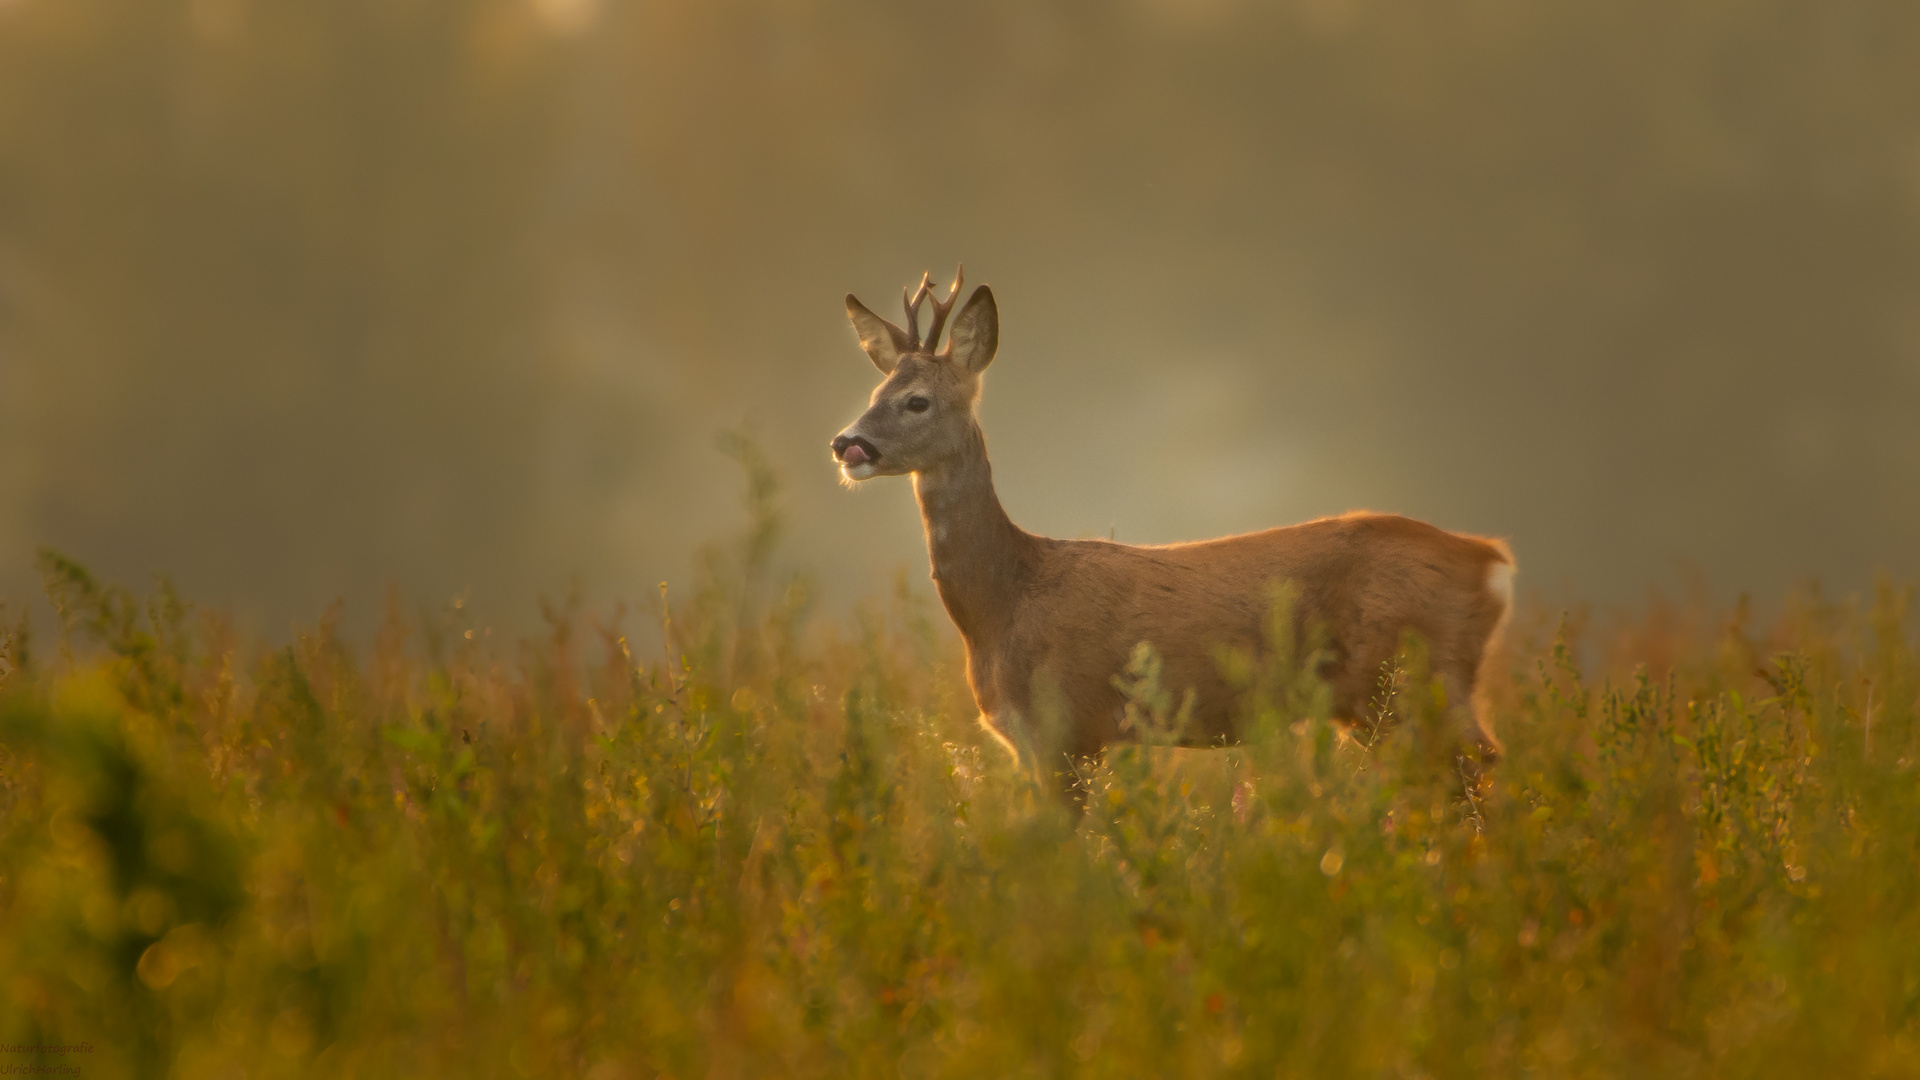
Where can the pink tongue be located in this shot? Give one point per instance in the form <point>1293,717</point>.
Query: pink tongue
<point>854,455</point>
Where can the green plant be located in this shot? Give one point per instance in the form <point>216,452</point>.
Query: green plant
<point>784,848</point>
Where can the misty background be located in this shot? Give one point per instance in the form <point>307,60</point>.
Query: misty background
<point>298,301</point>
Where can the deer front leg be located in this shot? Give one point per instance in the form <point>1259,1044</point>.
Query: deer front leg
<point>1075,780</point>
<point>1066,773</point>
<point>996,727</point>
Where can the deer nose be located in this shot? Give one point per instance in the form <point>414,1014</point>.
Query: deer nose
<point>853,450</point>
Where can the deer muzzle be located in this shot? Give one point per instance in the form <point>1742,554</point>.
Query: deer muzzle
<point>854,450</point>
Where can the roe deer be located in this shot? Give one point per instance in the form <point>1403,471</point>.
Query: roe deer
<point>1070,612</point>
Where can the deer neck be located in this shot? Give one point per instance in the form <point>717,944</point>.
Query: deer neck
<point>981,559</point>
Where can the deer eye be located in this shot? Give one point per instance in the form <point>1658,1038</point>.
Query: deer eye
<point>916,403</point>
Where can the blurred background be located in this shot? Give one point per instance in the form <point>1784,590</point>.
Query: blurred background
<point>298,301</point>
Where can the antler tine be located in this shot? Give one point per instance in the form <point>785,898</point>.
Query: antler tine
<point>912,303</point>
<point>940,310</point>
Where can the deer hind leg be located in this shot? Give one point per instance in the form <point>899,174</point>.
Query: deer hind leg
<point>1467,682</point>
<point>1467,718</point>
<point>1487,657</point>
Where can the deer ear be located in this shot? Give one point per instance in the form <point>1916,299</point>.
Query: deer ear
<point>884,342</point>
<point>976,332</point>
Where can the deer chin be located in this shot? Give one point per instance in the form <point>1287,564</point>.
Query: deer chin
<point>862,471</point>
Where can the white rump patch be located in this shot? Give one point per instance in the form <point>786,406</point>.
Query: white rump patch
<point>1500,583</point>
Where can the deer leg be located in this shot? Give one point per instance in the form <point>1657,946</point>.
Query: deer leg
<point>1475,750</point>
<point>1060,771</point>
<point>993,727</point>
<point>1074,780</point>
<point>1464,717</point>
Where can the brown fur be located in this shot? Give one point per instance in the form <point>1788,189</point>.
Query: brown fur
<point>1035,611</point>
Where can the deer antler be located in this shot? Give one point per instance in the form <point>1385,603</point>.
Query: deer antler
<point>912,303</point>
<point>940,310</point>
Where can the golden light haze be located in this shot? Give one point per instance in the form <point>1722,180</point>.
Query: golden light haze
<point>297,300</point>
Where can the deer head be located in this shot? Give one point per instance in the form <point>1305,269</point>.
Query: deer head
<point>922,414</point>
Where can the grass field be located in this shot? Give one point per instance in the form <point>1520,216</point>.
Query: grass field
<point>780,847</point>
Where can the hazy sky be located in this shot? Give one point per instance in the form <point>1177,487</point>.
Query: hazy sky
<point>297,301</point>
